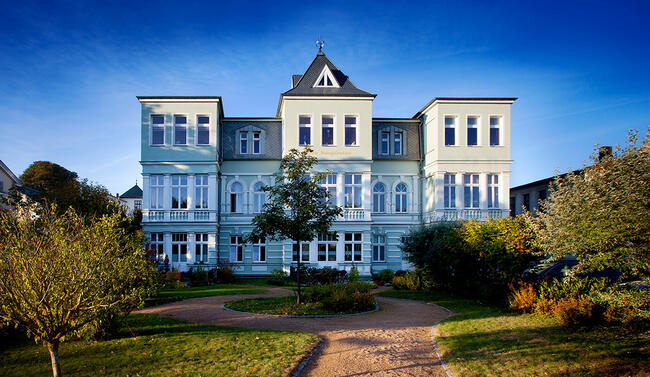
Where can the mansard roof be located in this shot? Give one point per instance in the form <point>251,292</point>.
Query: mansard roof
<point>133,192</point>
<point>305,85</point>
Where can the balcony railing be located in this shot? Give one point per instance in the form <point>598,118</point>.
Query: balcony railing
<point>355,214</point>
<point>469,214</point>
<point>176,215</point>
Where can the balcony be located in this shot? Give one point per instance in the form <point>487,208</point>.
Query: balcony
<point>469,214</point>
<point>355,214</point>
<point>178,216</point>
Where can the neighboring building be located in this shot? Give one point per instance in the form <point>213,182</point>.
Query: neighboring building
<point>132,198</point>
<point>7,179</point>
<point>202,172</point>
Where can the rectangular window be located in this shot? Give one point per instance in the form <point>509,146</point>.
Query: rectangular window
<point>450,131</point>
<point>493,191</point>
<point>470,183</point>
<point>327,125</point>
<point>350,130</point>
<point>397,143</point>
<point>526,204</point>
<point>304,253</point>
<point>304,126</point>
<point>385,142</point>
<point>179,247</point>
<point>352,247</point>
<point>180,129</point>
<point>256,142</point>
<point>378,248</point>
<point>352,186</point>
<point>472,131</point>
<point>236,249</point>
<point>327,247</point>
<point>201,191</point>
<point>495,126</point>
<point>179,191</point>
<point>201,248</point>
<point>513,206</point>
<point>157,187</point>
<point>156,244</point>
<point>243,142</point>
<point>202,130</point>
<point>137,204</point>
<point>329,184</point>
<point>259,250</point>
<point>450,190</point>
<point>157,129</point>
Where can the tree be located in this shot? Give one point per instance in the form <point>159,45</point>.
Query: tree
<point>600,214</point>
<point>62,276</point>
<point>297,207</point>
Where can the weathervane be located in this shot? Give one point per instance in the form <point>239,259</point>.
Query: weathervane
<point>320,43</point>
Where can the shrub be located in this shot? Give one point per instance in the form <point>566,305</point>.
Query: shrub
<point>400,273</point>
<point>577,312</point>
<point>199,277</point>
<point>325,275</point>
<point>353,276</point>
<point>385,276</point>
<point>523,298</point>
<point>411,281</point>
<point>342,297</point>
<point>173,280</point>
<point>225,275</point>
<point>278,274</point>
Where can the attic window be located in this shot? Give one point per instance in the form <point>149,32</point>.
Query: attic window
<point>326,79</point>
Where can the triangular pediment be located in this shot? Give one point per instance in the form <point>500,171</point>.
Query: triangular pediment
<point>326,79</point>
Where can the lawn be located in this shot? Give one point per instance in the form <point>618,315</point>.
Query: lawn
<point>281,305</point>
<point>481,340</point>
<point>264,282</point>
<point>176,294</point>
<point>157,346</point>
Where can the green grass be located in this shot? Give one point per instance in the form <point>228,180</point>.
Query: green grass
<point>281,305</point>
<point>171,294</point>
<point>481,340</point>
<point>157,346</point>
<point>263,282</point>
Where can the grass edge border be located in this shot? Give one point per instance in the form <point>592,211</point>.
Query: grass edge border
<point>223,306</point>
<point>315,349</point>
<point>435,342</point>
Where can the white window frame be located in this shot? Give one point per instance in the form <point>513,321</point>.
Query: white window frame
<point>151,129</point>
<point>499,128</point>
<point>256,137</point>
<point>478,130</point>
<point>328,73</point>
<point>259,250</point>
<point>401,205</point>
<point>157,243</point>
<point>401,143</point>
<point>455,128</point>
<point>354,126</point>
<point>449,194</point>
<point>201,247</point>
<point>473,183</point>
<point>381,143</point>
<point>309,126</point>
<point>203,125</point>
<point>355,246</point>
<point>179,188</point>
<point>323,126</point>
<point>236,249</point>
<point>157,191</point>
<point>329,183</point>
<point>349,200</point>
<point>378,247</point>
<point>304,252</point>
<point>493,191</point>
<point>179,243</point>
<point>243,137</point>
<point>328,242</point>
<point>379,198</point>
<point>137,204</point>
<point>259,197</point>
<point>238,196</point>
<point>186,127</point>
<point>201,191</point>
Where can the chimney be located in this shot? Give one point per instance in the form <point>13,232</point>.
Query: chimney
<point>604,152</point>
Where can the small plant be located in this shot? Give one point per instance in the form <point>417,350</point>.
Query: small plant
<point>385,276</point>
<point>523,298</point>
<point>225,275</point>
<point>577,312</point>
<point>410,281</point>
<point>199,277</point>
<point>353,276</point>
<point>173,280</point>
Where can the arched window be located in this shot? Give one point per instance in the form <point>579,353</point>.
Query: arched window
<point>400,198</point>
<point>379,198</point>
<point>236,197</point>
<point>259,197</point>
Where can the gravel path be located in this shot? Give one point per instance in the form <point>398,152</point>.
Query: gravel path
<point>394,341</point>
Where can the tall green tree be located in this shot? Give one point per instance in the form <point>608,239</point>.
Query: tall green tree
<point>297,207</point>
<point>63,276</point>
<point>600,214</point>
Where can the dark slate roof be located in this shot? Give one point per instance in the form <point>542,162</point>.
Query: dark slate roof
<point>133,192</point>
<point>305,86</point>
<point>271,148</point>
<point>411,142</point>
<point>294,80</point>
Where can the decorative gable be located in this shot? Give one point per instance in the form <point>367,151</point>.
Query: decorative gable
<point>326,79</point>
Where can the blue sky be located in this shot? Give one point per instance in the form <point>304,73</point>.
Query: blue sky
<point>70,70</point>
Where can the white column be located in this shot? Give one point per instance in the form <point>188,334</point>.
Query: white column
<point>212,194</point>
<point>366,194</point>
<point>167,195</point>
<point>460,191</point>
<point>146,193</point>
<point>340,195</point>
<point>190,192</point>
<point>483,190</point>
<point>415,200</point>
<point>504,190</point>
<point>167,245</point>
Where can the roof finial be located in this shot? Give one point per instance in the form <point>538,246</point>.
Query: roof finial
<point>320,43</point>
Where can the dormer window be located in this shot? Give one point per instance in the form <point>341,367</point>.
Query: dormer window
<point>251,140</point>
<point>326,79</point>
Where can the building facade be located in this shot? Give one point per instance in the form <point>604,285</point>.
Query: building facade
<point>203,172</point>
<point>132,199</point>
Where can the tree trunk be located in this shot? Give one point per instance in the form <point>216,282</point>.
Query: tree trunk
<point>53,347</point>
<point>298,270</point>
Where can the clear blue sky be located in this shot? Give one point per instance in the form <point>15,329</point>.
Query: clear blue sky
<point>70,71</point>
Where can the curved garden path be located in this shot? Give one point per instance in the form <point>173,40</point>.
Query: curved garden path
<point>394,341</point>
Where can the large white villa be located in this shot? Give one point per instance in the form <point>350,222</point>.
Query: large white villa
<point>202,172</point>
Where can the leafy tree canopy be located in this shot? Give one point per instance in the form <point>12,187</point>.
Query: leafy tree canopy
<point>600,214</point>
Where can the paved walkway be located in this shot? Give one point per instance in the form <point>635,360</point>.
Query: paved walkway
<point>394,341</point>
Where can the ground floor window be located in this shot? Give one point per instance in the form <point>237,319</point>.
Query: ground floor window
<point>201,248</point>
<point>378,248</point>
<point>179,247</point>
<point>156,245</point>
<point>236,249</point>
<point>352,247</point>
<point>259,250</point>
<point>304,252</point>
<point>327,247</point>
